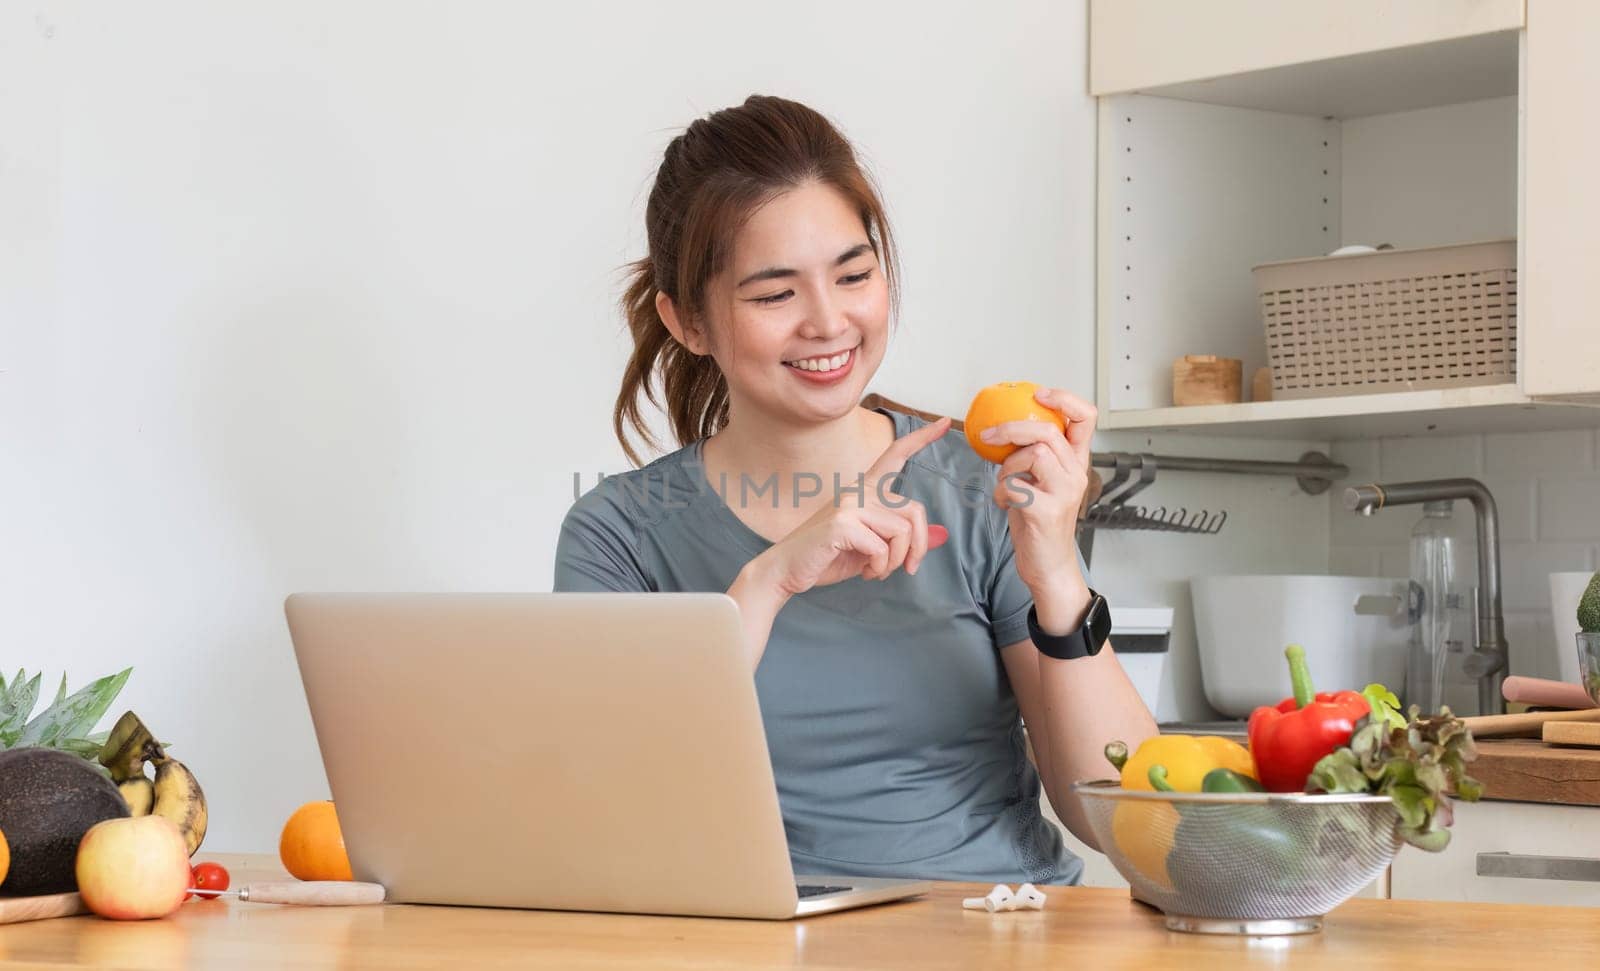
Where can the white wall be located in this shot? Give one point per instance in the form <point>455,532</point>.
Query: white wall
<point>1272,527</point>
<point>1431,177</point>
<point>320,296</point>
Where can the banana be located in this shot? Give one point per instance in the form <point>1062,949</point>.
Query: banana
<point>174,794</point>
<point>128,747</point>
<point>140,795</point>
<point>178,798</point>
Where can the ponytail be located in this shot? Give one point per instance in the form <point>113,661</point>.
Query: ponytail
<point>696,391</point>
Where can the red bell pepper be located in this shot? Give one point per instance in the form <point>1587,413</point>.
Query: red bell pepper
<point>1287,740</point>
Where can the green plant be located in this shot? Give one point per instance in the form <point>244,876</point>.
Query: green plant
<point>1421,765</point>
<point>65,723</point>
<point>1589,607</point>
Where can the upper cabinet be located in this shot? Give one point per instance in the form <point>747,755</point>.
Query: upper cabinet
<point>1141,44</point>
<point>1234,134</point>
<point>1560,199</point>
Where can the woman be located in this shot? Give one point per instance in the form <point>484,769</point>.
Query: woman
<point>891,670</point>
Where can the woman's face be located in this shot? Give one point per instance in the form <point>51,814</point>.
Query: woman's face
<point>803,293</point>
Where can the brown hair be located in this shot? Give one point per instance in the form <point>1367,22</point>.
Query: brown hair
<point>722,168</point>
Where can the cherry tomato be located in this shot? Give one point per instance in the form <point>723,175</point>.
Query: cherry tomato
<point>208,876</point>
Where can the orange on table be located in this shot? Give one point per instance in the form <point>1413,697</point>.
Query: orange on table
<point>1003,402</point>
<point>312,845</point>
<point>5,857</point>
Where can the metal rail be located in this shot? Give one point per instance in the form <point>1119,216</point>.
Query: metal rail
<point>1315,471</point>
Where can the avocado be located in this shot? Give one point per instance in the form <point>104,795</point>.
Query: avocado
<point>48,800</point>
<point>1589,607</point>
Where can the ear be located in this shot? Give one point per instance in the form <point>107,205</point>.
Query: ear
<point>690,335</point>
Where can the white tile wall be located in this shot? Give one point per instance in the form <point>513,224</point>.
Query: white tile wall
<point>1272,527</point>
<point>1547,488</point>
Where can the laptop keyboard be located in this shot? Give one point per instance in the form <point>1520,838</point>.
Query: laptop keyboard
<point>808,890</point>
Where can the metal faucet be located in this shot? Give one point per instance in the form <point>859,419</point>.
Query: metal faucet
<point>1489,660</point>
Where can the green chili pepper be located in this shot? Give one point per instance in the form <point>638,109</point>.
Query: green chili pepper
<point>1227,780</point>
<point>1217,780</point>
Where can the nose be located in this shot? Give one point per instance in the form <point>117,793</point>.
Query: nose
<point>825,318</point>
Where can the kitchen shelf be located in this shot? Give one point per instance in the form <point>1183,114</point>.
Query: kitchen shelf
<point>1490,408</point>
<point>1302,127</point>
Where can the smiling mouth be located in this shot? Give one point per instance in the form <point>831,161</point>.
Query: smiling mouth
<point>824,364</point>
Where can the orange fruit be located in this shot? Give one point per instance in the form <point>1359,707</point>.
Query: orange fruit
<point>5,857</point>
<point>312,846</point>
<point>1003,402</point>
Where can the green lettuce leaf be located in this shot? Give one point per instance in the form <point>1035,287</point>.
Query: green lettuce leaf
<point>1420,764</point>
<point>1385,705</point>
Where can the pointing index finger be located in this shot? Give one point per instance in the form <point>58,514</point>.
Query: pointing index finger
<point>894,457</point>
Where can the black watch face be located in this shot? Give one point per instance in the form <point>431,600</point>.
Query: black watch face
<point>1099,622</point>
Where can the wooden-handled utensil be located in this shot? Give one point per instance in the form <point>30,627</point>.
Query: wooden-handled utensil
<point>1529,725</point>
<point>311,893</point>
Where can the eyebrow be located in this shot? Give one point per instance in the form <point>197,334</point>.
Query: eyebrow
<point>778,272</point>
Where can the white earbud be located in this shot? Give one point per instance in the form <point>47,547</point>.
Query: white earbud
<point>1027,897</point>
<point>999,898</point>
<point>996,900</point>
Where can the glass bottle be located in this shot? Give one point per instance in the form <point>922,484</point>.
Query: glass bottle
<point>1443,574</point>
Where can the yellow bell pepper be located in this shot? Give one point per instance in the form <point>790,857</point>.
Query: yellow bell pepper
<point>1143,831</point>
<point>1187,759</point>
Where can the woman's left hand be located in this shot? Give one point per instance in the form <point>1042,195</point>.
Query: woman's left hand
<point>1041,487</point>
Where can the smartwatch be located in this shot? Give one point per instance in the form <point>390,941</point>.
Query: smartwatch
<point>1086,641</point>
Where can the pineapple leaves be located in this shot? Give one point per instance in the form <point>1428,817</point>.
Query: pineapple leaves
<point>15,704</point>
<point>66,722</point>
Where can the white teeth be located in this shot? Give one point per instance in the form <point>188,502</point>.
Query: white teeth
<point>821,364</point>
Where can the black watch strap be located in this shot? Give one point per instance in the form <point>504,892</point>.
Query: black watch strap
<point>1086,641</point>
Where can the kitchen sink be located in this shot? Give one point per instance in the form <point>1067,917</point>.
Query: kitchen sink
<point>1227,728</point>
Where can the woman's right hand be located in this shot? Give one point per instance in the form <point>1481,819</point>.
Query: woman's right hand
<point>870,538</point>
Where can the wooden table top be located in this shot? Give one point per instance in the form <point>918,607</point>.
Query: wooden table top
<point>1079,927</point>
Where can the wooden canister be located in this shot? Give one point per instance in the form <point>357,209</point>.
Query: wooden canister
<point>1205,379</point>
<point>1261,385</point>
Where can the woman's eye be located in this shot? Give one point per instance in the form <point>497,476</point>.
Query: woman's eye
<point>777,298</point>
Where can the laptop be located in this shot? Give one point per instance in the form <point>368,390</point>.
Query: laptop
<point>563,751</point>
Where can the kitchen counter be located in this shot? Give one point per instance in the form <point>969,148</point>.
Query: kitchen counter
<point>1091,927</point>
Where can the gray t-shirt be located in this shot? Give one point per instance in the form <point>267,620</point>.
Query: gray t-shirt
<point>893,730</point>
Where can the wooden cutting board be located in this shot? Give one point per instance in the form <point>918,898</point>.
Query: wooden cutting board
<point>1527,770</point>
<point>16,909</point>
<point>1586,734</point>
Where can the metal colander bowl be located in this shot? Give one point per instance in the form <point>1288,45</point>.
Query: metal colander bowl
<point>1246,863</point>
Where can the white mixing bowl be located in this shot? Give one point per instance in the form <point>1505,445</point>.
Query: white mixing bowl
<point>1354,631</point>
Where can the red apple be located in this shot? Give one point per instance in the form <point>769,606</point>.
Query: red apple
<point>133,868</point>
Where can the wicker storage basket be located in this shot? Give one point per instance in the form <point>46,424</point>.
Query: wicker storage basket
<point>1393,320</point>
